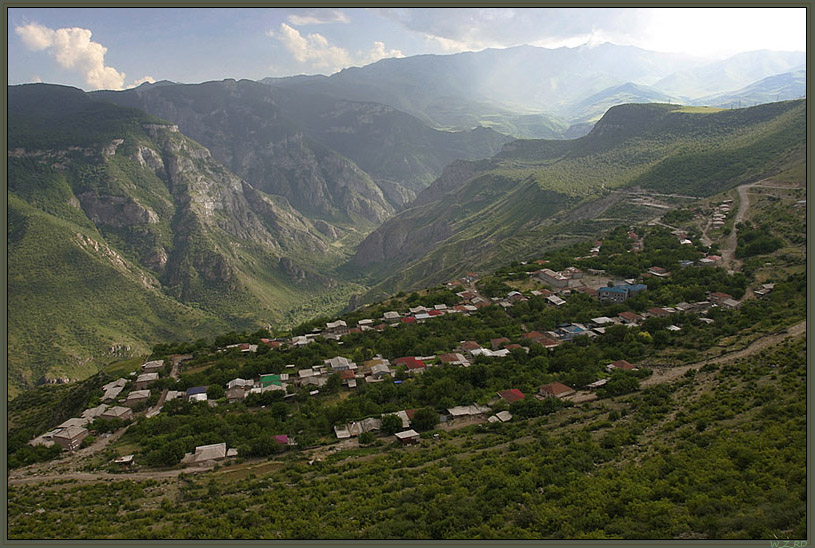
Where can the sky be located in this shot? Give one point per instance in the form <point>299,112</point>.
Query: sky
<point>118,48</point>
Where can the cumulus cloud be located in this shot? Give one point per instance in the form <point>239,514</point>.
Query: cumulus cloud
<point>318,17</point>
<point>73,49</point>
<point>316,50</point>
<point>140,81</point>
<point>312,48</point>
<point>379,51</point>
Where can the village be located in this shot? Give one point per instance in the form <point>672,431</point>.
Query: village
<point>135,397</point>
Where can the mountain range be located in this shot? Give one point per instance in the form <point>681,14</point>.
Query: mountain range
<point>175,211</point>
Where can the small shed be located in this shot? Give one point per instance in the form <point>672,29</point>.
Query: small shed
<point>408,437</point>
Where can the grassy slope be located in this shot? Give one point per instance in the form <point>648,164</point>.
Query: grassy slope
<point>508,211</point>
<point>80,302</point>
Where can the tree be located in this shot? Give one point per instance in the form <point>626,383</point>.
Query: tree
<point>366,438</point>
<point>215,392</point>
<point>391,424</point>
<point>425,419</point>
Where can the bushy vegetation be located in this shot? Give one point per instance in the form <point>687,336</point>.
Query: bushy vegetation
<point>730,464</point>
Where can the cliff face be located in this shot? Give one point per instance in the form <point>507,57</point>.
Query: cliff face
<point>139,219</point>
<point>245,130</point>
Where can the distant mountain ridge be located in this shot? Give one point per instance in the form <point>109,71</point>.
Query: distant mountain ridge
<point>333,159</point>
<point>499,88</point>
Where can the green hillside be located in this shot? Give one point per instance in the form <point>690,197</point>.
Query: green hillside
<point>124,232</point>
<point>75,303</point>
<point>537,194</point>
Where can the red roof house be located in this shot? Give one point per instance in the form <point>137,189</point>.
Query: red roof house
<point>512,395</point>
<point>555,390</point>
<point>621,364</point>
<point>410,362</point>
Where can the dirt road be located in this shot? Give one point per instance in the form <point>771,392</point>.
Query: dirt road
<point>670,374</point>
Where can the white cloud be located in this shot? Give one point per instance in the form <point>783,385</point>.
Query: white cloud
<point>321,54</point>
<point>141,81</point>
<point>35,37</point>
<point>313,48</point>
<point>318,17</point>
<point>73,49</point>
<point>379,52</point>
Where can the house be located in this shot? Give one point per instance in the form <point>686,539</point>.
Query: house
<point>467,410</point>
<point>555,300</point>
<point>408,437</point>
<point>502,416</point>
<point>597,384</point>
<point>348,378</point>
<point>173,394</point>
<point>572,272</point>
<point>76,421</point>
<point>283,439</point>
<point>237,393</point>
<point>590,291</point>
<point>412,364</point>
<point>569,332</point>
<point>555,390</point>
<point>390,316</point>
<point>539,338</point>
<point>145,379</point>
<point>300,341</point>
<point>153,366</point>
<point>125,461</point>
<point>340,363</point>
<point>602,320</point>
<point>659,312</point>
<point>270,379</point>
<point>469,346</point>
<point>272,343</point>
<point>113,389</point>
<point>136,397</point>
<point>764,290</point>
<point>342,432</point>
<point>555,279</point>
<point>71,438</point>
<point>658,271</point>
<point>206,454</point>
<point>616,294</point>
<point>498,343</point>
<point>380,371</point>
<point>629,317</point>
<point>355,428</point>
<point>365,324</point>
<point>730,303</point>
<point>411,319</point>
<point>454,358</point>
<point>403,416</point>
<point>197,393</point>
<point>490,353</point>
<point>118,412</point>
<point>337,328</point>
<point>239,383</point>
<point>621,365</point>
<point>512,395</point>
<point>717,297</point>
<point>92,413</point>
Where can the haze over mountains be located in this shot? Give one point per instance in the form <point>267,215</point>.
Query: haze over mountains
<point>179,210</point>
